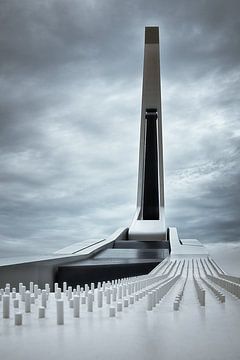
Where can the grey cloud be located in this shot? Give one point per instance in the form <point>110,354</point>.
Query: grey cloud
<point>70,110</point>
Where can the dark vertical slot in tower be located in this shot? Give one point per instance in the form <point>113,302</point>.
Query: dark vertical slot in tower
<point>151,196</point>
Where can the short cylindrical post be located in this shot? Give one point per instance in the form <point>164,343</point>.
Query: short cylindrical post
<point>16,303</point>
<point>112,311</point>
<point>41,312</point>
<point>23,290</point>
<point>47,288</point>
<point>108,296</point>
<point>120,291</point>
<point>44,298</point>
<point>76,305</point>
<point>70,302</point>
<point>20,288</point>
<point>27,301</point>
<point>55,287</point>
<point>60,311</point>
<point>35,290</point>
<point>69,292</point>
<point>31,287</point>
<point>58,293</point>
<point>64,286</point>
<point>18,318</point>
<point>100,298</point>
<point>90,301</point>
<point>114,294</point>
<point>176,306</point>
<point>119,306</point>
<point>149,300</point>
<point>6,306</point>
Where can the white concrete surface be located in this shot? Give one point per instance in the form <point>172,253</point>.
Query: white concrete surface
<point>133,332</point>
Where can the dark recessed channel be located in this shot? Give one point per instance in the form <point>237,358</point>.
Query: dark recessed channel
<point>151,195</point>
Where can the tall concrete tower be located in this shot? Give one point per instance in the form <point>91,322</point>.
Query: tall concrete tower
<point>149,219</point>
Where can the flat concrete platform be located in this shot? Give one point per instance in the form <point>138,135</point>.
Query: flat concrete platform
<point>194,332</point>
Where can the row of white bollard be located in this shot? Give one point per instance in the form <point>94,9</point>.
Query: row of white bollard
<point>121,292</point>
<point>155,295</point>
<point>178,298</point>
<point>231,287</point>
<point>216,292</point>
<point>200,291</point>
<point>221,274</point>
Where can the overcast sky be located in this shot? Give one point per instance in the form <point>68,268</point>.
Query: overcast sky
<point>70,101</point>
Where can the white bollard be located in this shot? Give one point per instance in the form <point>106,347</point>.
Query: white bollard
<point>119,306</point>
<point>90,301</point>
<point>69,292</point>
<point>100,298</point>
<point>112,311</point>
<point>120,291</point>
<point>55,287</point>
<point>58,293</point>
<point>18,318</point>
<point>60,312</point>
<point>114,294</point>
<point>16,303</point>
<point>86,288</point>
<point>108,296</point>
<point>14,295</point>
<point>20,288</point>
<point>76,305</point>
<point>83,300</point>
<point>23,293</point>
<point>6,306</point>
<point>47,288</point>
<point>125,302</point>
<point>44,298</point>
<point>64,286</point>
<point>31,287</point>
<point>41,312</point>
<point>176,306</point>
<point>32,299</point>
<point>149,301</point>
<point>35,290</point>
<point>27,301</point>
<point>7,290</point>
<point>71,303</point>
<point>131,299</point>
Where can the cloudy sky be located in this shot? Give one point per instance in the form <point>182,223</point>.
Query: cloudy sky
<point>70,96</point>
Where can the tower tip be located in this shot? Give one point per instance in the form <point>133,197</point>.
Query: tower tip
<point>151,35</point>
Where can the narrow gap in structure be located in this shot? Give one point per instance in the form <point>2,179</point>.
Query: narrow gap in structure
<point>150,192</point>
